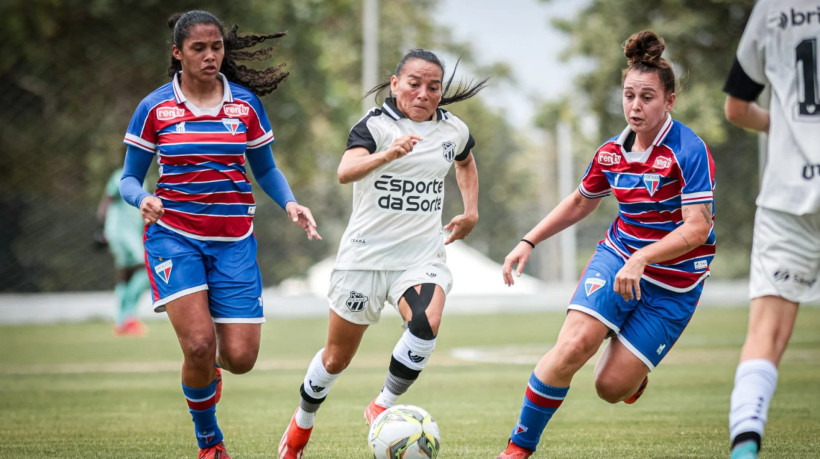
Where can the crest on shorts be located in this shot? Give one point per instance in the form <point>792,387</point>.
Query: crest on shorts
<point>449,151</point>
<point>356,301</point>
<point>652,182</point>
<point>593,284</point>
<point>163,270</point>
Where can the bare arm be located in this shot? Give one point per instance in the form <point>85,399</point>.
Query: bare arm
<point>746,114</point>
<point>467,177</point>
<point>102,207</point>
<point>697,224</point>
<point>358,162</point>
<point>568,212</point>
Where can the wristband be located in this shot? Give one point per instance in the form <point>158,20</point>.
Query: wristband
<point>528,242</point>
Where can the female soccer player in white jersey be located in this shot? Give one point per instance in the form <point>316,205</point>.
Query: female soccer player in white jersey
<point>199,243</point>
<point>393,248</point>
<point>779,48</point>
<point>643,283</point>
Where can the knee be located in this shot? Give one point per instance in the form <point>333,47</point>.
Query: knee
<point>335,363</point>
<point>200,351</point>
<point>565,359</point>
<point>423,326</point>
<point>612,390</point>
<point>576,349</point>
<point>425,311</point>
<point>608,393</point>
<point>238,363</point>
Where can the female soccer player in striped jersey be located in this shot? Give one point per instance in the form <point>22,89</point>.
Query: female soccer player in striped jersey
<point>199,243</point>
<point>644,280</point>
<point>393,248</point>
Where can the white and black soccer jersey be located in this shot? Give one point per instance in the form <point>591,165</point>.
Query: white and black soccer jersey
<point>779,47</point>
<point>395,223</point>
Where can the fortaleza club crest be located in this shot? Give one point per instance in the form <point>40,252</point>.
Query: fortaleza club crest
<point>652,182</point>
<point>449,151</point>
<point>163,270</point>
<point>231,124</point>
<point>593,284</point>
<point>356,301</point>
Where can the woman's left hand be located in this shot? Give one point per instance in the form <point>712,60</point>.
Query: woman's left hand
<point>460,226</point>
<point>301,216</point>
<point>628,279</point>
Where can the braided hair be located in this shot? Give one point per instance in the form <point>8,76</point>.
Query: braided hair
<point>261,82</point>
<point>461,92</point>
<point>643,52</point>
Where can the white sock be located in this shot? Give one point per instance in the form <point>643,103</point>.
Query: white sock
<point>316,385</point>
<point>412,354</point>
<point>317,380</point>
<point>304,419</point>
<point>386,398</point>
<point>755,383</point>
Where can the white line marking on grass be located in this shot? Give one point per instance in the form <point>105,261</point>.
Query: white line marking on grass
<point>522,354</point>
<point>128,367</point>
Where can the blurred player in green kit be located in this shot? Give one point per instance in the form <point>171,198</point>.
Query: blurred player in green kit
<point>123,232</point>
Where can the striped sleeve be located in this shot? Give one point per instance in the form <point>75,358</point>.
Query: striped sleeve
<point>141,131</point>
<point>698,172</point>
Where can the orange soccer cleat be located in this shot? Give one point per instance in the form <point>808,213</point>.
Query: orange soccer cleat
<point>214,452</point>
<point>218,394</point>
<point>634,397</point>
<point>514,451</point>
<point>373,411</point>
<point>293,442</point>
<point>131,327</point>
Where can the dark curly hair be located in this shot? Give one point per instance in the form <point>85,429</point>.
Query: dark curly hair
<point>643,52</point>
<point>461,92</point>
<point>261,82</point>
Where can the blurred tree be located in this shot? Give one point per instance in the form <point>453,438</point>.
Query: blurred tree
<point>701,38</point>
<point>73,71</point>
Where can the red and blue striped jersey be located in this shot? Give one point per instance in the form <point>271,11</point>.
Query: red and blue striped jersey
<point>651,187</point>
<point>201,153</point>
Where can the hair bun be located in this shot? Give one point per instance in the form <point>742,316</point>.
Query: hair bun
<point>172,20</point>
<point>645,48</point>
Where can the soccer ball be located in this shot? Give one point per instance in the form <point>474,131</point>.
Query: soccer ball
<point>404,432</point>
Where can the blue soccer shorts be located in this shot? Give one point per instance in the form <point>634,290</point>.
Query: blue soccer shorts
<point>178,265</point>
<point>647,327</point>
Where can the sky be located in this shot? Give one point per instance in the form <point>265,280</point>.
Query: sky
<point>519,33</point>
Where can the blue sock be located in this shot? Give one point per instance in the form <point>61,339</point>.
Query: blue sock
<point>202,405</point>
<point>540,402</point>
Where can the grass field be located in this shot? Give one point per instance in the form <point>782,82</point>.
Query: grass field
<point>75,390</point>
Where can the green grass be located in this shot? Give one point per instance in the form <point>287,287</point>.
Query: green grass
<point>75,390</point>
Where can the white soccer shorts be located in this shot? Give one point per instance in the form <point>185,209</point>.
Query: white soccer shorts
<point>785,256</point>
<point>358,296</point>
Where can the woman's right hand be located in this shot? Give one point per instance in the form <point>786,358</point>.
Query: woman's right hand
<point>151,209</point>
<point>518,256</point>
<point>401,147</point>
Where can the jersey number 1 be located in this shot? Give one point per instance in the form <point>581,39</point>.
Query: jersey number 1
<point>806,56</point>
